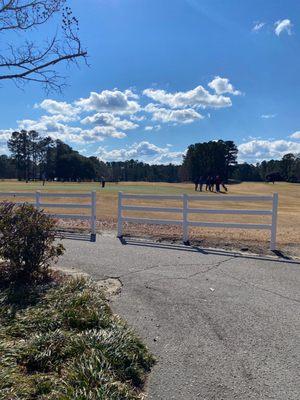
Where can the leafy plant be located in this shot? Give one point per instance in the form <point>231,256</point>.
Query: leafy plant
<point>27,243</point>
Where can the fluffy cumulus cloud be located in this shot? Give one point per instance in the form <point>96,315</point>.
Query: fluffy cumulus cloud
<point>222,85</point>
<point>295,135</point>
<point>5,134</point>
<point>143,151</point>
<point>108,119</point>
<point>284,25</point>
<point>49,125</point>
<point>137,118</point>
<point>114,113</point>
<point>59,107</point>
<point>107,122</point>
<point>258,26</point>
<point>110,101</point>
<point>198,97</point>
<point>183,116</point>
<point>258,150</point>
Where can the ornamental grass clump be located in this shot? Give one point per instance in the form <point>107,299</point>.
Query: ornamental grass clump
<point>45,355</point>
<point>27,244</point>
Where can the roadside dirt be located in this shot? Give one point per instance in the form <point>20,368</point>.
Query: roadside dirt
<point>237,240</point>
<point>110,286</point>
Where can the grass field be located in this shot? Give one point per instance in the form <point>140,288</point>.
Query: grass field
<point>288,221</point>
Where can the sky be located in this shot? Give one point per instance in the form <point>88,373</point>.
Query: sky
<point>164,74</point>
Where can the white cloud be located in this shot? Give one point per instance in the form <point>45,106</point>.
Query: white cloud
<point>111,113</point>
<point>258,26</point>
<point>295,135</point>
<point>130,94</point>
<point>113,101</point>
<point>152,127</point>
<point>49,126</point>
<point>5,134</point>
<point>283,25</point>
<point>137,118</point>
<point>143,151</point>
<point>184,116</point>
<point>222,85</point>
<point>258,150</point>
<point>58,107</point>
<point>198,97</point>
<point>107,119</point>
<point>268,116</point>
<point>99,132</point>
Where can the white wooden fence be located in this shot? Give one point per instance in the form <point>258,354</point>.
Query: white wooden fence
<point>38,199</point>
<point>186,210</point>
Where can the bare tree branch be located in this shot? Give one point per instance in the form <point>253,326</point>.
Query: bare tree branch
<point>29,61</point>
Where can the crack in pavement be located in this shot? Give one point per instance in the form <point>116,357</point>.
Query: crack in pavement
<point>262,288</point>
<point>213,266</point>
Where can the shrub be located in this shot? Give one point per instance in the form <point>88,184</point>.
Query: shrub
<point>27,245</point>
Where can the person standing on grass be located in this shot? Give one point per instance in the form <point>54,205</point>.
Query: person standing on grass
<point>223,185</point>
<point>211,183</point>
<point>43,178</point>
<point>196,184</point>
<point>218,183</point>
<point>207,185</point>
<point>201,183</point>
<point>102,182</point>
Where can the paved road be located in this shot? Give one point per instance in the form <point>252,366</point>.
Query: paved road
<point>222,326</point>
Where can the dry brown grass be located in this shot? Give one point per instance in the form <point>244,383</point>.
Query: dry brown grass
<point>288,218</point>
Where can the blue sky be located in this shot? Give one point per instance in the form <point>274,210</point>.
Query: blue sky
<point>164,74</point>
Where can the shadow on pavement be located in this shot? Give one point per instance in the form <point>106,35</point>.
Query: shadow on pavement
<point>206,251</point>
<point>84,237</point>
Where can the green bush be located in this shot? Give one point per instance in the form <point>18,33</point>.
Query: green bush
<point>27,244</point>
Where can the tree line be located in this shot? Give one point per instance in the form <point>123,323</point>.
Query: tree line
<point>287,169</point>
<point>220,158</point>
<point>34,157</point>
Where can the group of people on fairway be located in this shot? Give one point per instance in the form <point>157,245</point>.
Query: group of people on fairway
<point>211,183</point>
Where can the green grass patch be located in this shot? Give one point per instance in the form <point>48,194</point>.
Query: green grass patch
<point>62,342</point>
<point>111,187</point>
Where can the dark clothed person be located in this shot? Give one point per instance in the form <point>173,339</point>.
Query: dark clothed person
<point>207,183</point>
<point>218,183</point>
<point>201,183</point>
<point>211,184</point>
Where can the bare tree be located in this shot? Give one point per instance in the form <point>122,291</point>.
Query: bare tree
<point>29,60</point>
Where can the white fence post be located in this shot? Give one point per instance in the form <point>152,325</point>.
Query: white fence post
<point>93,216</point>
<point>37,200</point>
<point>274,222</point>
<point>120,221</point>
<point>185,224</point>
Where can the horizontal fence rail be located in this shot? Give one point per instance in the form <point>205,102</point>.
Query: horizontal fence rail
<point>185,211</point>
<point>39,200</point>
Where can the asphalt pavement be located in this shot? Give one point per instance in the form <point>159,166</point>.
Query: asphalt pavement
<point>222,325</point>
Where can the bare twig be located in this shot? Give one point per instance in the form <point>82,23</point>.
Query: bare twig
<point>30,62</point>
